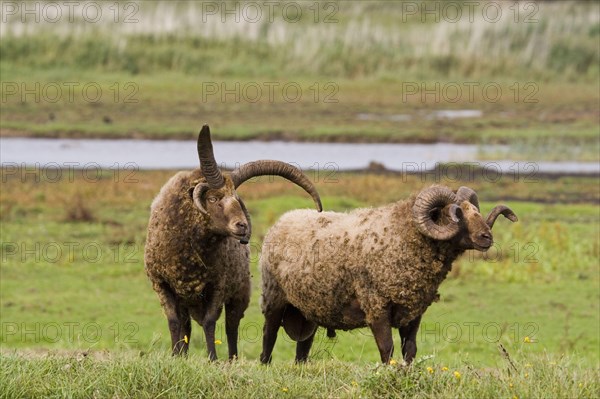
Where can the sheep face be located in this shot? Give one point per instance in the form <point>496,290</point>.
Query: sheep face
<point>475,233</point>
<point>225,210</point>
<point>442,214</point>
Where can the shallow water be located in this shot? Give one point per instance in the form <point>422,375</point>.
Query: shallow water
<point>168,154</point>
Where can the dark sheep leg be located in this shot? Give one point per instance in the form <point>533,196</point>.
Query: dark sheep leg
<point>408,337</point>
<point>186,330</point>
<point>272,324</point>
<point>303,348</point>
<point>209,322</point>
<point>233,314</point>
<point>177,317</point>
<point>208,325</point>
<point>382,331</point>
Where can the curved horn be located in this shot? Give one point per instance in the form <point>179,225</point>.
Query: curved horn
<point>209,166</point>
<point>500,210</point>
<point>466,194</point>
<point>428,200</point>
<point>276,168</point>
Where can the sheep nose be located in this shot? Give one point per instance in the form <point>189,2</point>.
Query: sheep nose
<point>486,235</point>
<point>242,226</point>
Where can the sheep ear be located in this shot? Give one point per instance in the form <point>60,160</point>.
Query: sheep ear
<point>246,239</point>
<point>197,194</point>
<point>455,212</point>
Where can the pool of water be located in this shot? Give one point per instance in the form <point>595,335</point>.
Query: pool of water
<point>169,154</point>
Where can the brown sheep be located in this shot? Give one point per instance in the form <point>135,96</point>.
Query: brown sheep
<point>195,255</point>
<point>378,267</point>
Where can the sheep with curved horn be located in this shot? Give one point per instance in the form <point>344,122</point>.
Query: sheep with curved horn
<point>378,267</point>
<point>195,254</point>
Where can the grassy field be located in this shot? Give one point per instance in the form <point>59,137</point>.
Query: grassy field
<point>158,375</point>
<point>170,105</point>
<point>79,314</point>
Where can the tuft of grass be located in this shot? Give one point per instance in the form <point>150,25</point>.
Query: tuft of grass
<point>129,375</point>
<point>78,210</point>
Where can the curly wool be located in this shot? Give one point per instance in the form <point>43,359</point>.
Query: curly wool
<point>329,264</point>
<point>181,252</point>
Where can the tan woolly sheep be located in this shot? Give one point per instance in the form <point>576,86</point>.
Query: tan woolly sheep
<point>195,255</point>
<point>378,267</point>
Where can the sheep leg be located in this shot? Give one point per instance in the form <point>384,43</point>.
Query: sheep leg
<point>208,325</point>
<point>272,324</point>
<point>408,336</point>
<point>382,331</point>
<point>303,348</point>
<point>178,319</point>
<point>233,314</point>
<point>186,331</point>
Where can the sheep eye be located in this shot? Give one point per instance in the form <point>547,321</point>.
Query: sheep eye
<point>212,200</point>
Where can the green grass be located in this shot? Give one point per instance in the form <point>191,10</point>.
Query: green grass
<point>78,315</point>
<point>158,375</point>
<point>82,323</point>
<point>76,283</point>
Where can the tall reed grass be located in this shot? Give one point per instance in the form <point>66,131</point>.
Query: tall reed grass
<point>541,40</point>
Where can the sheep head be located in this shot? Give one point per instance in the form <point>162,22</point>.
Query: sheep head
<point>217,198</point>
<point>225,209</point>
<point>443,215</point>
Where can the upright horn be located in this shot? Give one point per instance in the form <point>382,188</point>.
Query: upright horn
<point>428,200</point>
<point>209,166</point>
<point>276,168</point>
<point>500,210</point>
<point>466,194</point>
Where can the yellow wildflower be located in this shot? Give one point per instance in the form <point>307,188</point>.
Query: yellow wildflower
<point>528,365</point>
<point>457,374</point>
<point>218,342</point>
<point>527,340</point>
<point>515,397</point>
<point>185,339</point>
<point>393,362</point>
<point>284,389</point>
<point>526,375</point>
<point>354,383</point>
<point>430,370</point>
<point>580,384</point>
<point>444,368</point>
<point>510,384</point>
